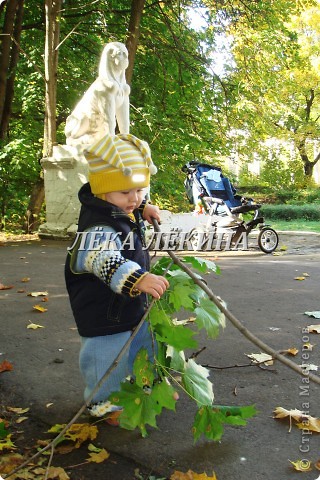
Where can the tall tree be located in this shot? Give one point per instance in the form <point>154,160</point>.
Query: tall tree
<point>133,34</point>
<point>52,22</point>
<point>275,84</point>
<point>9,53</point>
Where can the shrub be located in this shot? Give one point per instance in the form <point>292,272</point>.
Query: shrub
<point>291,212</point>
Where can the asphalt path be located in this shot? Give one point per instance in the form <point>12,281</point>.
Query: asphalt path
<point>261,290</point>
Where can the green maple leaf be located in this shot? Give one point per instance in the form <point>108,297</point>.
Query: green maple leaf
<point>209,420</point>
<point>201,264</point>
<point>143,370</point>
<point>157,316</point>
<point>176,335</point>
<point>195,381</point>
<point>3,431</point>
<point>179,296</point>
<point>163,394</point>
<point>141,406</point>
<point>209,317</point>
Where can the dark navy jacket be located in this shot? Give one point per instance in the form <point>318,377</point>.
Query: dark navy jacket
<point>96,308</point>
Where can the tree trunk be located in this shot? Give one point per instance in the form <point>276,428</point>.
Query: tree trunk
<point>5,52</point>
<point>133,35</point>
<point>6,113</point>
<point>36,202</point>
<point>307,164</point>
<point>53,8</point>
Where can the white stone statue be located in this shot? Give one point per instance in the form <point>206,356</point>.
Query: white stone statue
<point>105,102</point>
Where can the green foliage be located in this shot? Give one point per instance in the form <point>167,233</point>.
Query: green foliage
<point>209,420</point>
<point>291,212</point>
<point>144,396</point>
<point>181,102</point>
<point>3,432</point>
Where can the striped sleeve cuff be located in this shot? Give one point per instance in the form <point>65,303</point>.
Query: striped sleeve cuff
<point>129,285</point>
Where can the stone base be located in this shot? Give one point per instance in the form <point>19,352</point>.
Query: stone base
<point>64,174</point>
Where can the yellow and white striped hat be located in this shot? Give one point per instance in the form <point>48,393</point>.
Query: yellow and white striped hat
<point>119,162</point>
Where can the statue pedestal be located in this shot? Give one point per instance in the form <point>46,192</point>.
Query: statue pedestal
<point>64,173</point>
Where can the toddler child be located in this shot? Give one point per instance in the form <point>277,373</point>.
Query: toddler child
<point>107,268</point>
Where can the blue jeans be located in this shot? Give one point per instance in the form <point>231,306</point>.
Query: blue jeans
<point>97,354</point>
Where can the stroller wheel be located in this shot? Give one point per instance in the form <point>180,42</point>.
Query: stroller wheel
<point>268,240</point>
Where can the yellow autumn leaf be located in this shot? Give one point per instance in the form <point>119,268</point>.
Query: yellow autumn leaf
<point>292,351</point>
<point>302,465</point>
<point>310,423</point>
<point>300,278</point>
<point>283,248</point>
<point>304,422</point>
<point>34,326</point>
<point>38,308</point>
<point>190,475</point>
<point>21,419</point>
<point>53,473</point>
<point>18,410</point>
<point>78,432</point>
<point>98,457</point>
<point>9,462</point>
<point>308,346</point>
<point>306,274</point>
<point>25,279</point>
<point>7,444</point>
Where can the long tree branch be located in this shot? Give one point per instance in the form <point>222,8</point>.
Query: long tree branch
<point>236,323</point>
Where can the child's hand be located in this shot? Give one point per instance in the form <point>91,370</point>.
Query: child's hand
<point>151,211</point>
<point>153,284</point>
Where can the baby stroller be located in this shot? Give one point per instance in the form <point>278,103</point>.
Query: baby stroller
<point>229,214</point>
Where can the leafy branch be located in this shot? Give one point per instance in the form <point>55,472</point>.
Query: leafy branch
<point>144,396</point>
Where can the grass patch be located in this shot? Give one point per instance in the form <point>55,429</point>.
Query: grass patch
<point>298,225</point>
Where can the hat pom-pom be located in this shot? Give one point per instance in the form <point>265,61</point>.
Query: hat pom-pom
<point>127,171</point>
<point>153,169</point>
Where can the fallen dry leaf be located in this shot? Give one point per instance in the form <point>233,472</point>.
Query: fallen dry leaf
<point>78,432</point>
<point>21,419</point>
<point>264,358</point>
<point>25,279</point>
<point>10,462</point>
<point>38,308</point>
<point>5,287</point>
<point>304,422</point>
<point>5,366</point>
<point>37,294</point>
<point>314,328</point>
<point>98,457</point>
<point>315,314</point>
<point>53,473</point>
<point>302,465</point>
<point>300,278</point>
<point>34,326</point>
<point>190,475</point>
<point>309,366</point>
<point>292,351</point>
<point>18,410</point>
